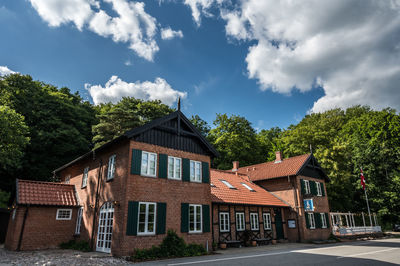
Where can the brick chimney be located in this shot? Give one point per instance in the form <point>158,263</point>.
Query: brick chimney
<point>235,166</point>
<point>278,157</point>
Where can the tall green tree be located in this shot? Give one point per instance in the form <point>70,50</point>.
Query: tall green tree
<point>201,125</point>
<point>116,119</point>
<point>270,142</point>
<point>236,140</point>
<point>59,125</point>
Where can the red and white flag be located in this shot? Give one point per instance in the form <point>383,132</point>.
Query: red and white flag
<point>362,179</point>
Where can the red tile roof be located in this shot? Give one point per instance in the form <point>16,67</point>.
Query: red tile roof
<point>241,195</point>
<point>45,193</point>
<point>286,167</point>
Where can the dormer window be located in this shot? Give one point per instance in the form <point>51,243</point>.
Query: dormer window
<point>248,187</point>
<point>229,185</point>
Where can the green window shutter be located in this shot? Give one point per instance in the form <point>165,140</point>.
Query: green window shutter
<point>307,220</point>
<point>303,187</point>
<point>133,208</point>
<point>327,220</point>
<point>317,218</point>
<point>161,217</point>
<point>184,217</point>
<point>163,166</point>
<point>322,189</point>
<point>136,162</point>
<point>206,218</point>
<point>313,188</point>
<point>206,172</point>
<point>185,169</point>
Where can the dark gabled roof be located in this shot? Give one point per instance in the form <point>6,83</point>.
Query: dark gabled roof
<point>287,167</point>
<point>157,123</point>
<point>45,193</point>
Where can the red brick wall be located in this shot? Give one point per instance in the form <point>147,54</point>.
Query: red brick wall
<point>126,187</point>
<point>113,190</point>
<point>321,204</point>
<point>290,192</point>
<point>42,230</point>
<point>173,192</point>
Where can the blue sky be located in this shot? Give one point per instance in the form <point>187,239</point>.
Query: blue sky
<point>237,58</point>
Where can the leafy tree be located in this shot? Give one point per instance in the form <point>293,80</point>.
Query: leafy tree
<point>114,120</point>
<point>13,137</point>
<point>59,125</point>
<point>201,125</point>
<point>235,139</point>
<point>270,142</point>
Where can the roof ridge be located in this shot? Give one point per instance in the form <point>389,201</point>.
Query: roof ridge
<point>269,162</point>
<point>44,182</point>
<point>227,172</point>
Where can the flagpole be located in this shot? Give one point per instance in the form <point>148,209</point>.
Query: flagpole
<point>366,199</point>
<point>369,212</point>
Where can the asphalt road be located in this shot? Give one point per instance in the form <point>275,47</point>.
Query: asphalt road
<point>374,252</point>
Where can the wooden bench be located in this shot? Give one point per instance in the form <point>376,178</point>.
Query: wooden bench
<point>233,243</point>
<point>263,241</point>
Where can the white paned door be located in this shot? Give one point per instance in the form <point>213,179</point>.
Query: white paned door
<point>105,228</point>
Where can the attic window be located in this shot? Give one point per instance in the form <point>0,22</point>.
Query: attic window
<point>248,187</point>
<point>212,185</point>
<point>228,184</point>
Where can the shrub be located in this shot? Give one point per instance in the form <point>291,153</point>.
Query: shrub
<point>76,245</point>
<point>171,246</point>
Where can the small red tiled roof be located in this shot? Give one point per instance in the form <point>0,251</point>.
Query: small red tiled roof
<point>45,193</point>
<point>286,167</point>
<point>240,195</point>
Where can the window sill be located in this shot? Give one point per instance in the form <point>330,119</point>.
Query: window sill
<point>195,181</point>
<point>110,180</point>
<point>84,187</point>
<point>152,176</point>
<point>174,179</point>
<point>224,231</point>
<point>146,234</point>
<point>195,232</point>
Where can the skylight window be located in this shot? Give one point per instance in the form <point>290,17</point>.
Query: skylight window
<point>247,186</point>
<point>212,185</point>
<point>228,184</point>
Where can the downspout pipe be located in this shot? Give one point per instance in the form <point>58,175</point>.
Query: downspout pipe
<point>21,235</point>
<point>96,203</point>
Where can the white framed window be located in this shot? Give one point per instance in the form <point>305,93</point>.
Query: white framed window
<point>67,179</point>
<point>229,185</point>
<point>195,219</point>
<point>85,176</point>
<point>147,218</point>
<point>240,224</point>
<point>14,213</point>
<point>174,168</point>
<point>195,171</point>
<point>254,225</point>
<point>79,221</point>
<point>64,214</point>
<point>247,186</point>
<point>319,189</point>
<point>224,222</point>
<point>307,186</point>
<point>149,164</point>
<point>111,167</point>
<point>323,220</point>
<point>311,220</point>
<point>267,221</point>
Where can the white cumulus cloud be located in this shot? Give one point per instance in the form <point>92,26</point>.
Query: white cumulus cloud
<point>351,48</point>
<point>4,70</point>
<point>201,8</point>
<point>168,34</point>
<point>115,89</point>
<point>131,24</point>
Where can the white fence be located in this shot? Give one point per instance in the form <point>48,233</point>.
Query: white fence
<point>344,224</point>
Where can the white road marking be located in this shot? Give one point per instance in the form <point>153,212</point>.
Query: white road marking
<point>366,253</point>
<point>232,258</point>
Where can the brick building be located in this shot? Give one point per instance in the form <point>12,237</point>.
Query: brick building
<point>132,190</point>
<point>244,211</point>
<point>300,182</point>
<point>127,193</point>
<point>42,217</point>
